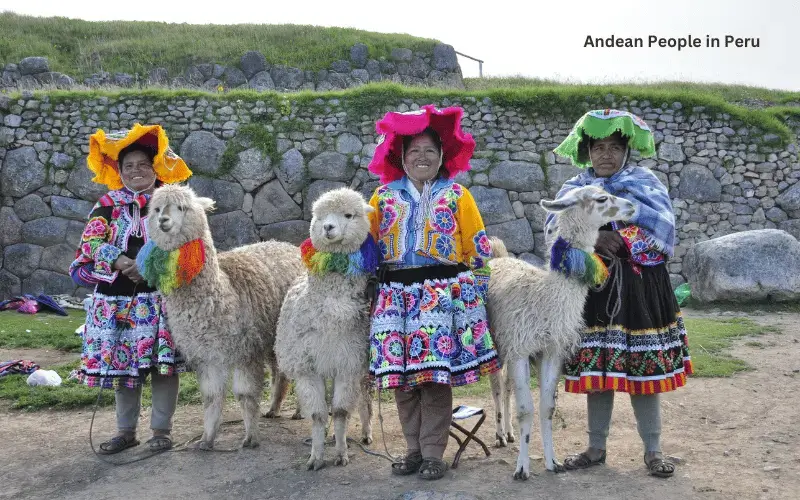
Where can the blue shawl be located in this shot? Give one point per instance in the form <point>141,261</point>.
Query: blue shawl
<point>654,215</point>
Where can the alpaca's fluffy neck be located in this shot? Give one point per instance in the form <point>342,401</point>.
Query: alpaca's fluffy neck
<point>576,230</point>
<point>572,253</point>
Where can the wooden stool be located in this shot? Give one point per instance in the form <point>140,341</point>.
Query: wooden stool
<point>462,413</point>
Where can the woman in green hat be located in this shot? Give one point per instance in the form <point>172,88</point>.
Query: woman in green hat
<point>634,340</point>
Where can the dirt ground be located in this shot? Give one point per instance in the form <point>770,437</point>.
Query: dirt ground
<point>735,437</point>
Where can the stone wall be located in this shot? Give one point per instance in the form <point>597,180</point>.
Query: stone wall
<point>266,161</point>
<point>437,69</point>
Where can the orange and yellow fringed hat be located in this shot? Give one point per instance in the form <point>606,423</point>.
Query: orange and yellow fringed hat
<point>104,151</point>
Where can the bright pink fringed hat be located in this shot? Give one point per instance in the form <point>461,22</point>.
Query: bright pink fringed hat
<point>457,146</point>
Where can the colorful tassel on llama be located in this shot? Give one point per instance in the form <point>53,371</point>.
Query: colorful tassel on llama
<point>573,262</point>
<point>167,271</point>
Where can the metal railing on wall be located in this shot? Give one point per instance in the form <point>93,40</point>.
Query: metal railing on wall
<point>480,63</point>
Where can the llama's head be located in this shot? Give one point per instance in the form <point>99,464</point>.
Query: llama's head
<point>177,215</point>
<point>581,212</point>
<point>339,221</point>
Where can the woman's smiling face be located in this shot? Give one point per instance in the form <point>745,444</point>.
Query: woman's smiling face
<point>422,158</point>
<point>137,171</point>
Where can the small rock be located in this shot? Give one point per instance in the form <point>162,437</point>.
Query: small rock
<point>772,468</point>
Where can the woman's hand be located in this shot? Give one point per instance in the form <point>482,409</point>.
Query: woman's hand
<point>123,262</point>
<point>610,243</point>
<point>132,272</point>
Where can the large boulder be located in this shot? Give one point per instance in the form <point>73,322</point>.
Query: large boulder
<point>253,169</point>
<point>516,234</point>
<point>789,199</point>
<point>292,231</point>
<point>80,183</point>
<point>48,282</point>
<point>253,62</point>
<point>493,204</point>
<point>45,231</point>
<point>70,208</point>
<point>202,151</point>
<point>315,190</point>
<point>228,196</point>
<point>232,230</point>
<point>291,171</point>
<point>444,57</point>
<point>10,227</point>
<point>33,66</point>
<point>359,53</point>
<point>273,204</point>
<point>517,176</point>
<point>22,259</point>
<point>32,207</point>
<point>22,172</point>
<point>761,265</point>
<point>330,165</point>
<point>698,184</point>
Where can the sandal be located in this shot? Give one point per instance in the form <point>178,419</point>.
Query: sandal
<point>407,465</point>
<point>660,467</point>
<point>159,443</point>
<point>117,444</point>
<point>432,468</point>
<point>583,461</point>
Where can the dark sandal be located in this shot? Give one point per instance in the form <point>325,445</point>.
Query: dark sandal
<point>582,461</point>
<point>159,443</point>
<point>116,445</point>
<point>660,467</point>
<point>407,465</point>
<point>432,468</point>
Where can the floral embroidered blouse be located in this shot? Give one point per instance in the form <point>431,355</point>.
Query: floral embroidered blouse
<point>635,239</point>
<point>453,232</point>
<point>116,226</point>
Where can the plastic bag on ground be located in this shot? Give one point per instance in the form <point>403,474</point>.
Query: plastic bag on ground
<point>44,377</point>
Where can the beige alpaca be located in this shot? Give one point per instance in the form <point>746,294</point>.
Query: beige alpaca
<point>323,329</point>
<point>538,314</point>
<point>224,320</point>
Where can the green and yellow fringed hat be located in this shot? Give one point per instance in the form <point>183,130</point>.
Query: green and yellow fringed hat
<point>601,123</point>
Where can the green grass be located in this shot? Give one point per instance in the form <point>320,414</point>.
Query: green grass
<point>709,340</point>
<point>43,330</point>
<point>80,48</point>
<point>729,93</point>
<point>71,395</point>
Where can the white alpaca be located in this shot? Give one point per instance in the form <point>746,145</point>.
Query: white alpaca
<point>323,330</point>
<point>224,319</point>
<point>538,314</point>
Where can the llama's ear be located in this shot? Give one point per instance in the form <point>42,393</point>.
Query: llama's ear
<point>559,204</point>
<point>368,209</point>
<point>206,203</point>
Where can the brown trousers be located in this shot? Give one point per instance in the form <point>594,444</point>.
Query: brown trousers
<point>425,415</point>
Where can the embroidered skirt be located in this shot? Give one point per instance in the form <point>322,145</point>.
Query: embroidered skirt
<point>124,339</point>
<point>431,330</point>
<point>644,350</point>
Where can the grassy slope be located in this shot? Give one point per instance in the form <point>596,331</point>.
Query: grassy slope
<point>80,48</point>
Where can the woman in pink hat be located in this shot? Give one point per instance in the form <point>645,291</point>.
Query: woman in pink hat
<point>429,327</point>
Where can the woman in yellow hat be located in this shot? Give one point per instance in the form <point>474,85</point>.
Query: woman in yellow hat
<point>126,335</point>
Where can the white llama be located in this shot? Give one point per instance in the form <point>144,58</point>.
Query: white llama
<point>223,307</point>
<point>323,330</point>
<point>536,313</point>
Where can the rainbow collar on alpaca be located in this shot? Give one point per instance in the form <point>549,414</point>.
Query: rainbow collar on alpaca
<point>167,271</point>
<point>362,262</point>
<point>573,262</point>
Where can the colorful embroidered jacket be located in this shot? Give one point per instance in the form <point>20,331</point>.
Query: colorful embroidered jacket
<point>453,233</point>
<point>116,226</point>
